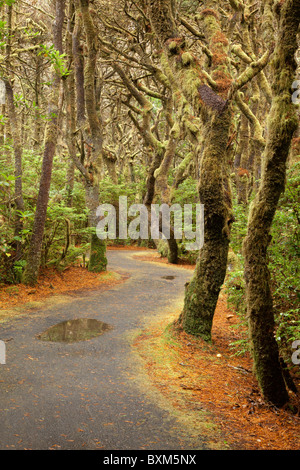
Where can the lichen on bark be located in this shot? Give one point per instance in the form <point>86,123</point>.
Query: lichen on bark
<point>282,123</point>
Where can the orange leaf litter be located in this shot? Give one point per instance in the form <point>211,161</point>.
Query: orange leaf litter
<point>222,383</point>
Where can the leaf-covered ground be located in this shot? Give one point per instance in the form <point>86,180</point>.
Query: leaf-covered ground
<point>198,376</point>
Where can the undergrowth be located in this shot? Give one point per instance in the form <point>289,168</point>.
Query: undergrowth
<point>283,262</point>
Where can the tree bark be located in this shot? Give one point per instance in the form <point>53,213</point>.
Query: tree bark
<point>242,172</point>
<point>203,291</point>
<point>70,99</point>
<point>282,123</point>
<point>37,111</point>
<point>18,152</point>
<point>51,133</point>
<point>93,136</point>
<point>17,142</point>
<point>214,188</point>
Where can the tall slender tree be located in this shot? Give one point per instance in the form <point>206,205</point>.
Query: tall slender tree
<point>282,123</point>
<point>51,134</point>
<point>16,136</point>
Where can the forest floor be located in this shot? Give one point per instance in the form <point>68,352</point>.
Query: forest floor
<point>227,390</point>
<point>53,282</point>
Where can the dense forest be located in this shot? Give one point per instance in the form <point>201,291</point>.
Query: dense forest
<point>164,102</point>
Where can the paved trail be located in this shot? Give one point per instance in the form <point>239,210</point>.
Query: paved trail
<point>81,395</point>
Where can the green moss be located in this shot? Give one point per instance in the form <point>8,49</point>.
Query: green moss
<point>176,130</point>
<point>166,67</point>
<point>192,82</point>
<point>173,46</point>
<point>98,260</point>
<point>191,126</point>
<point>186,58</point>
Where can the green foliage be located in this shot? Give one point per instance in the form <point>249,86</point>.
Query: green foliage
<point>65,226</point>
<point>7,2</point>
<point>3,120</point>
<point>284,261</point>
<point>283,258</point>
<point>109,191</point>
<point>187,193</point>
<point>5,181</point>
<point>58,60</point>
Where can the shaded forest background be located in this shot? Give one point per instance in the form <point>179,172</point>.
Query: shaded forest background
<point>96,109</point>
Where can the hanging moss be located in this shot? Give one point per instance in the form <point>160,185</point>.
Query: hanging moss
<point>187,58</point>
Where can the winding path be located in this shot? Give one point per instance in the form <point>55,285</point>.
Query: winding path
<point>85,395</point>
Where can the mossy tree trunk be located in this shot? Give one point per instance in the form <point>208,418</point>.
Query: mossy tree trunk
<point>98,260</point>
<point>202,292</point>
<point>89,123</point>
<point>18,152</point>
<point>185,71</point>
<point>242,172</point>
<point>51,133</point>
<point>211,94</point>
<point>70,100</point>
<point>282,123</point>
<point>17,141</point>
<point>162,186</point>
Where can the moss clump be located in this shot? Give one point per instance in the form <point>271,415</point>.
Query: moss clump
<point>187,58</point>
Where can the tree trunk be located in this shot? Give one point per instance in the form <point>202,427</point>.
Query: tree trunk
<point>214,188</point>
<point>17,145</point>
<point>242,173</point>
<point>202,292</point>
<point>37,111</point>
<point>35,249</point>
<point>70,99</point>
<point>94,139</point>
<point>98,260</point>
<point>16,139</point>
<point>161,183</point>
<point>282,123</point>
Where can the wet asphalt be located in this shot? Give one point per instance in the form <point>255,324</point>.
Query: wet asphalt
<point>86,395</point>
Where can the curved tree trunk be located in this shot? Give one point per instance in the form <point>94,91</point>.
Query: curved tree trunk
<point>203,291</point>
<point>91,128</point>
<point>185,73</point>
<point>281,125</point>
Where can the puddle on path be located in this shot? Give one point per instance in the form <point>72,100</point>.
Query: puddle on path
<point>169,278</point>
<point>72,331</point>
